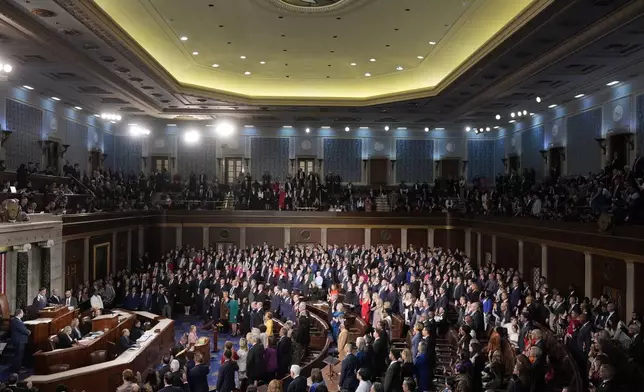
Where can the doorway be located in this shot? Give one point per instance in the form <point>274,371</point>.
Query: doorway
<point>306,164</point>
<point>513,163</point>
<point>619,150</point>
<point>450,169</point>
<point>555,160</point>
<point>52,156</point>
<point>159,163</point>
<point>95,160</point>
<point>378,171</point>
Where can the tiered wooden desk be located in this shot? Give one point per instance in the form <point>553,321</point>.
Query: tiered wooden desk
<point>106,376</point>
<point>50,321</point>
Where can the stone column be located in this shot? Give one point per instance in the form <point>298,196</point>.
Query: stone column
<point>520,267</point>
<point>179,236</point>
<point>129,250</point>
<point>287,236</point>
<point>544,261</point>
<point>367,237</point>
<point>205,236</point>
<point>494,249</point>
<point>588,274</point>
<point>403,239</point>
<point>630,287</point>
<point>323,239</point>
<point>45,264</point>
<point>141,245</point>
<point>479,249</point>
<point>430,239</point>
<point>22,275</point>
<point>113,249</point>
<point>468,242</point>
<point>86,259</point>
<point>242,238</point>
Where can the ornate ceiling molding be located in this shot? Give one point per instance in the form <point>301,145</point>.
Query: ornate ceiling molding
<point>313,9</point>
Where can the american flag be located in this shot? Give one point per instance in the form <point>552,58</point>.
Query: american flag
<point>3,273</point>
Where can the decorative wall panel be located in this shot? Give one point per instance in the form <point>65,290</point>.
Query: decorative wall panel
<point>583,154</point>
<point>531,143</point>
<point>616,116</point>
<point>639,122</point>
<point>480,159</point>
<point>198,159</point>
<point>94,138</point>
<point>127,154</point>
<point>414,160</point>
<point>108,148</point>
<point>22,146</point>
<point>499,153</point>
<point>343,156</point>
<point>378,147</point>
<point>555,133</point>
<point>269,155</point>
<point>77,140</point>
<point>450,148</point>
<point>306,146</point>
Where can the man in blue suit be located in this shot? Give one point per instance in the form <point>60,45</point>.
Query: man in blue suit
<point>19,337</point>
<point>40,301</point>
<point>226,377</point>
<point>348,379</point>
<point>198,375</point>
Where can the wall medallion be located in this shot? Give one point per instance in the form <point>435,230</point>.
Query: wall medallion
<point>618,113</point>
<point>306,145</point>
<point>385,235</point>
<point>450,147</point>
<point>378,146</point>
<point>306,235</point>
<point>224,234</point>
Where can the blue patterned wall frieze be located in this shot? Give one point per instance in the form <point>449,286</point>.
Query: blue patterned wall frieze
<point>344,156</point>
<point>414,160</point>
<point>532,141</point>
<point>269,155</point>
<point>582,153</point>
<point>480,159</point>
<point>198,159</point>
<point>25,122</point>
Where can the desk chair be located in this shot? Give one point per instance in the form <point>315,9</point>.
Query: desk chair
<point>53,342</point>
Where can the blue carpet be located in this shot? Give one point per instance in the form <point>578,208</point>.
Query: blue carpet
<point>181,326</point>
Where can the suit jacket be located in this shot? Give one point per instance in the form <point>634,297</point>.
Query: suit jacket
<point>636,349</point>
<point>170,388</point>
<point>303,335</point>
<point>39,303</point>
<point>124,343</point>
<point>284,355</point>
<point>583,337</point>
<point>64,340</point>
<point>393,378</point>
<point>380,353</point>
<point>54,299</point>
<point>255,362</point>
<point>19,333</point>
<point>76,334</point>
<point>348,378</point>
<point>226,376</point>
<point>198,378</point>
<point>297,385</point>
<point>523,332</point>
<point>73,301</point>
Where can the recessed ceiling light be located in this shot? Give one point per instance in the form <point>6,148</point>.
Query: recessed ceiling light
<point>262,62</point>
<point>248,126</point>
<point>512,114</point>
<point>386,127</point>
<point>215,65</point>
<point>195,53</point>
<point>326,126</point>
<point>498,117</point>
<point>347,129</point>
<point>420,57</point>
<point>247,73</point>
<point>184,38</point>
<point>353,64</point>
<point>538,99</point>
<point>97,115</point>
<point>287,126</point>
<point>78,108</point>
<point>307,130</point>
<point>614,82</point>
<point>552,106</point>
<point>426,129</point>
<point>467,129</point>
<point>399,68</point>
<point>519,114</point>
<point>367,74</point>
<point>487,129</point>
<point>496,127</point>
<point>242,57</point>
<point>580,95</point>
<point>525,112</point>
<point>432,43</point>
<point>512,121</point>
<point>372,60</point>
<point>28,87</point>
<point>55,98</point>
<point>171,125</point>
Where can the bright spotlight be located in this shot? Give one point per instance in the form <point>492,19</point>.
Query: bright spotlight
<point>426,129</point>
<point>192,136</point>
<point>498,117</point>
<point>224,129</point>
<point>7,68</point>
<point>512,114</point>
<point>487,129</point>
<point>467,129</point>
<point>538,99</point>
<point>386,127</point>
<point>307,130</point>
<point>135,130</point>
<point>525,112</point>
<point>347,129</point>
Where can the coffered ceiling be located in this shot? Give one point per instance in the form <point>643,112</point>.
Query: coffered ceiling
<point>74,50</point>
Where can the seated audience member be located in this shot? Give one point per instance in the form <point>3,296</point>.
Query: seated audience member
<point>124,340</point>
<point>65,339</point>
<point>136,331</point>
<point>76,332</point>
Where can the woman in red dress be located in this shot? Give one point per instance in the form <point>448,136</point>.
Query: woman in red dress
<point>365,307</point>
<point>282,199</point>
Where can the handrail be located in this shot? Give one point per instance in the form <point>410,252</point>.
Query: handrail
<point>76,180</point>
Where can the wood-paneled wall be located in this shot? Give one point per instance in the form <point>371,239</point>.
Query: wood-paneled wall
<point>226,235</point>
<point>305,235</point>
<point>565,268</point>
<point>417,237</point>
<point>74,263</point>
<point>345,236</point>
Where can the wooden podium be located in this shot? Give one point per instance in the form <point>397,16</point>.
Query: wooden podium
<point>106,321</point>
<point>53,311</point>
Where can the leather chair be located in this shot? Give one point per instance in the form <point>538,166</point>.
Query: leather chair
<point>53,342</point>
<point>98,356</point>
<point>59,367</point>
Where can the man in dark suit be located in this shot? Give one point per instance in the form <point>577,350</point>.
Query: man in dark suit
<point>636,349</point>
<point>380,351</point>
<point>69,299</point>
<point>136,331</point>
<point>205,302</point>
<point>608,384</point>
<point>226,376</point>
<point>163,370</point>
<point>393,375</point>
<point>255,361</point>
<point>299,383</point>
<point>302,333</point>
<point>583,336</point>
<point>198,375</point>
<point>348,379</point>
<point>65,339</point>
<point>55,298</point>
<point>284,353</point>
<point>40,301</point>
<point>526,328</point>
<point>19,337</point>
<point>168,378</point>
<point>146,300</point>
<point>124,340</point>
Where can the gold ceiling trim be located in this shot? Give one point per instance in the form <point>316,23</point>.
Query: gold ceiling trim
<point>95,18</point>
<point>285,6</point>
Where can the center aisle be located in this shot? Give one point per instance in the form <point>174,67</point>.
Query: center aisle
<point>182,326</point>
